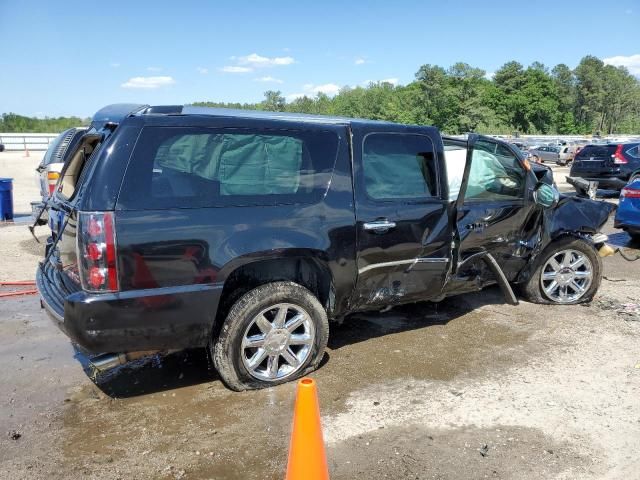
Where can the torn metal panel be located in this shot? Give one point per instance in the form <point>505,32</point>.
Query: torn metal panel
<point>577,215</point>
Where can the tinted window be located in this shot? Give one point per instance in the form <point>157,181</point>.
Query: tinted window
<point>196,167</point>
<point>596,151</point>
<point>634,152</point>
<point>399,166</point>
<point>496,173</point>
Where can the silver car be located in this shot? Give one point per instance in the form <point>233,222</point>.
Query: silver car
<point>545,153</point>
<point>50,167</point>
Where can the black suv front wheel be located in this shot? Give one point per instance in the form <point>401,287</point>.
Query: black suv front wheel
<point>273,334</point>
<point>568,271</point>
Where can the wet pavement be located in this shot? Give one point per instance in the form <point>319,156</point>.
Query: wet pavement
<point>468,388</point>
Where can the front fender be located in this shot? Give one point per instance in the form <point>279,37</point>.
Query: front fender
<point>573,216</point>
<point>577,215</point>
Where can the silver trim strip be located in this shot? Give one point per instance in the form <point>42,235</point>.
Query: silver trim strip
<point>403,262</point>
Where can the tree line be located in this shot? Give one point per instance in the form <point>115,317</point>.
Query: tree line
<point>14,123</point>
<point>591,98</point>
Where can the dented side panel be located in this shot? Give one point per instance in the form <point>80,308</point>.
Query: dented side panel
<point>408,261</point>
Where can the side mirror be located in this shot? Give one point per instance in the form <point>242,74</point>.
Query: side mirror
<point>545,195</point>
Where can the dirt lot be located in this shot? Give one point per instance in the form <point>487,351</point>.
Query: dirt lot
<point>469,388</point>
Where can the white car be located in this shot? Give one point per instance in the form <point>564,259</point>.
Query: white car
<point>50,167</point>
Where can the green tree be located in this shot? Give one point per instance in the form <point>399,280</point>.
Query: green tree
<point>273,101</point>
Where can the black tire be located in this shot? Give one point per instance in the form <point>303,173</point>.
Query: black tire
<point>227,351</point>
<point>532,289</point>
<point>1,148</point>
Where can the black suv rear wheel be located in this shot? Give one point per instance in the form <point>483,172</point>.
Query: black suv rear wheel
<point>273,334</point>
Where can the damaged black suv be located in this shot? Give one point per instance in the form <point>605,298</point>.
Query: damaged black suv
<point>247,232</point>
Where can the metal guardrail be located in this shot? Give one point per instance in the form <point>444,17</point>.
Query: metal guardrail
<point>26,141</point>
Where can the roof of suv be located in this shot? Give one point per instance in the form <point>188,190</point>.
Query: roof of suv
<point>253,114</point>
<point>292,117</point>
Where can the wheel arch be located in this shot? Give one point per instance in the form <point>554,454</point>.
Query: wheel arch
<point>554,237</point>
<point>306,268</point>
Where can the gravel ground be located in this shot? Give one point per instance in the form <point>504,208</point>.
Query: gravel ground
<point>469,388</point>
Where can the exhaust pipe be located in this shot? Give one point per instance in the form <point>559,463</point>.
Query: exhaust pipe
<point>107,361</point>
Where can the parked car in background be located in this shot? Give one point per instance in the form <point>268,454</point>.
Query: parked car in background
<point>628,214</point>
<point>545,153</point>
<point>48,172</point>
<point>612,165</point>
<point>567,154</point>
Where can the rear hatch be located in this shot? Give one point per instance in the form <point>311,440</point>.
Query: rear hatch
<point>596,161</point>
<point>65,218</point>
<point>61,251</point>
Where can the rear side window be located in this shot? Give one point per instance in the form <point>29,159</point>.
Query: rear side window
<point>398,166</point>
<point>634,152</point>
<point>199,167</point>
<point>596,151</point>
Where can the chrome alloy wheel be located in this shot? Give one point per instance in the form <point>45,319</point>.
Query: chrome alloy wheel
<point>277,342</point>
<point>566,276</point>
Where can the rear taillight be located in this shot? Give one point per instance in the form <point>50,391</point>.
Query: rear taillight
<point>618,157</point>
<point>52,180</point>
<point>97,251</point>
<point>630,192</point>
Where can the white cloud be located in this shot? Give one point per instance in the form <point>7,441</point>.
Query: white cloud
<point>148,82</point>
<point>202,70</point>
<point>257,61</point>
<point>154,69</point>
<point>311,90</point>
<point>268,79</point>
<point>359,61</point>
<point>328,88</point>
<point>249,63</point>
<point>489,75</point>
<point>114,65</point>
<point>632,62</point>
<point>235,69</point>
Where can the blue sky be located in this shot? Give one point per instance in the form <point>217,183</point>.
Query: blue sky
<point>72,58</point>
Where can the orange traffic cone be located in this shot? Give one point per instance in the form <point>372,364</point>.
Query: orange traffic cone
<point>307,458</point>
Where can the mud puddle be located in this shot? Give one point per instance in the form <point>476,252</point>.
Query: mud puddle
<point>172,417</point>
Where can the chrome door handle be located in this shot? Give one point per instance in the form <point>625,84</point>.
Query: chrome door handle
<point>379,226</point>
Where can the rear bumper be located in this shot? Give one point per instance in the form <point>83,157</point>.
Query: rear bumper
<point>154,319</point>
<point>615,183</point>
<point>628,216</point>
<point>614,180</point>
